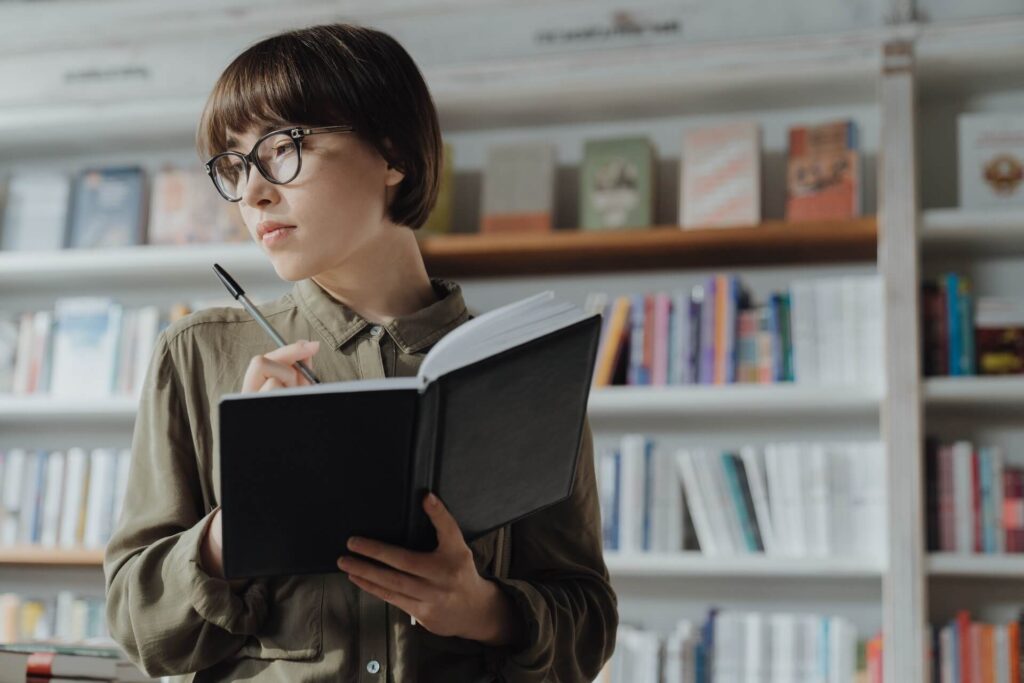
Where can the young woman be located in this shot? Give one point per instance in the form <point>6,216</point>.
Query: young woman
<point>327,141</point>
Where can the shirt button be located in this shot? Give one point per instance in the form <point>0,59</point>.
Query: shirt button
<point>373,666</point>
<point>376,330</point>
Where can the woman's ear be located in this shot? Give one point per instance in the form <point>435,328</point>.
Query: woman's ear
<point>394,174</point>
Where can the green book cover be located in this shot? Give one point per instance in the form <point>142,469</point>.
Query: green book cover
<point>617,184</point>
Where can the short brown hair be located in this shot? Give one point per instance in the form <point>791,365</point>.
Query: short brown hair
<point>336,74</point>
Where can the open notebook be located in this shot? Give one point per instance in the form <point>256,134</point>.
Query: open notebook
<point>491,423</point>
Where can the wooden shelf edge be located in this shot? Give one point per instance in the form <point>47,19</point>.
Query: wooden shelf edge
<point>36,556</point>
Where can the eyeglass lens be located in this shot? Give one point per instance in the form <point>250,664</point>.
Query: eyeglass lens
<point>278,155</point>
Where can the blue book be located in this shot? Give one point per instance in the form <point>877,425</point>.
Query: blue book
<point>707,333</point>
<point>648,492</point>
<point>965,313</point>
<point>108,208</point>
<point>952,282</point>
<point>636,370</point>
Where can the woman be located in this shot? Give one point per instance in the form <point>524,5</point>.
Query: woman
<point>327,141</point>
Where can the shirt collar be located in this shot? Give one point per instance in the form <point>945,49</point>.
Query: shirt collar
<point>413,332</point>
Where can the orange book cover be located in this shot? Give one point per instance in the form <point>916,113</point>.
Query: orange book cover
<point>1013,645</point>
<point>987,653</point>
<point>823,172</point>
<point>721,315</point>
<point>617,336</point>
<point>874,657</point>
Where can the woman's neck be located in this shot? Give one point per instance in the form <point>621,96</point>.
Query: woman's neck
<point>383,281</point>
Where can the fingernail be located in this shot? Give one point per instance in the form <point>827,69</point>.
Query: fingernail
<point>311,344</point>
<point>432,500</point>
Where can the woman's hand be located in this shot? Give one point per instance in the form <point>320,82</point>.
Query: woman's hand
<point>272,370</point>
<point>441,589</point>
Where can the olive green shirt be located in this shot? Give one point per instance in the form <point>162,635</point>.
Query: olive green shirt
<point>171,617</point>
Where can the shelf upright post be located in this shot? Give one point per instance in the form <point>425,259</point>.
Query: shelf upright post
<point>904,610</point>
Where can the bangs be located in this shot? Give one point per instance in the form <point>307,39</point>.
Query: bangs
<point>267,87</point>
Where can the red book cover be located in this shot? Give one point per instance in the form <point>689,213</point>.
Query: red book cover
<point>963,628</point>
<point>1009,508</point>
<point>874,657</point>
<point>1013,653</point>
<point>1018,510</point>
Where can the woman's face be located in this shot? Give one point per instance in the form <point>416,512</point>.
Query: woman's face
<point>337,204</point>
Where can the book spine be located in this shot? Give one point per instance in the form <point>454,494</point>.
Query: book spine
<point>953,322</point>
<point>420,533</point>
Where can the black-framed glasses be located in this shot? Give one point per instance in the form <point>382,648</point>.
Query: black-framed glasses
<point>277,155</point>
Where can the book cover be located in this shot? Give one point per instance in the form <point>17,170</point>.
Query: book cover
<point>441,219</point>
<point>617,184</point>
<point>720,176</point>
<point>108,208</point>
<point>85,346</point>
<point>35,215</point>
<point>999,336</point>
<point>185,209</point>
<point>991,150</point>
<point>519,189</point>
<point>823,172</point>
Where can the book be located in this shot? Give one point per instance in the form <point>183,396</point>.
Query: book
<point>36,211</point>
<point>720,178</point>
<point>823,172</point>
<point>998,333</point>
<point>87,330</point>
<point>108,208</point>
<point>441,220</point>
<point>290,503</point>
<point>617,184</point>
<point>991,148</point>
<point>519,189</point>
<point>185,209</point>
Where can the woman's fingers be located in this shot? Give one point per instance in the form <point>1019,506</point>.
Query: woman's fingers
<point>278,364</point>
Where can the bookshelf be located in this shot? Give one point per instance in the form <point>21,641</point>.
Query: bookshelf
<point>897,96</point>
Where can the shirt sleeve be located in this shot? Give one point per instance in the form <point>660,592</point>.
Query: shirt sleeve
<point>559,584</point>
<point>168,614</point>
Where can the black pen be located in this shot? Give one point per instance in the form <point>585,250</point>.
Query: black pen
<point>239,295</point>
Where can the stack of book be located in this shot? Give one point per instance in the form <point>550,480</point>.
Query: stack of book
<point>61,499</point>
<point>824,332</point>
<point>45,661</point>
<point>741,646</point>
<point>785,500</point>
<point>974,498</point>
<point>967,651</point>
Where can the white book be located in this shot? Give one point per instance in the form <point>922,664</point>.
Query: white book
<point>75,490</point>
<point>804,325</point>
<point>778,500</point>
<point>757,642</point>
<point>680,351</point>
<point>678,665</point>
<point>871,347</point>
<point>101,493</point>
<point>728,651</point>
<point>842,525</point>
<point>63,628</point>
<point>991,154</point>
<point>11,500</point>
<point>753,463</point>
<point>697,504</point>
<point>709,470</point>
<point>633,503</point>
<point>667,506</point>
<point>946,650</point>
<point>868,498</point>
<point>125,354</point>
<point>794,483</point>
<point>124,461</point>
<point>85,347</point>
<point>842,650</point>
<point>35,466</point>
<point>962,500</point>
<point>831,354</point>
<point>606,466</point>
<point>518,188</point>
<point>720,176</point>
<point>52,497</point>
<point>36,213</point>
<point>9,328</point>
<point>815,465</point>
<point>852,321</point>
<point>23,355</point>
<point>148,321</point>
<point>784,648</point>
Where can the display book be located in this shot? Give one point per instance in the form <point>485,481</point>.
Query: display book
<point>492,423</point>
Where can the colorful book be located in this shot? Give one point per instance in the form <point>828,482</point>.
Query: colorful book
<point>720,177</point>
<point>991,154</point>
<point>519,189</point>
<point>823,178</point>
<point>108,209</point>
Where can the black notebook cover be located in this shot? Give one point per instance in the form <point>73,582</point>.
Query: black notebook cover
<point>496,440</point>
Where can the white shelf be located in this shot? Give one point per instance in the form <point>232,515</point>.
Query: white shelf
<point>973,232</point>
<point>695,564</point>
<point>982,566</point>
<point>25,409</point>
<point>734,401</point>
<point>131,265</point>
<point>982,392</point>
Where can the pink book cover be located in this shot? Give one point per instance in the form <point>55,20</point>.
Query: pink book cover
<point>662,309</point>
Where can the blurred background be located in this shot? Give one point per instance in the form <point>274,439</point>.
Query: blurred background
<point>802,221</point>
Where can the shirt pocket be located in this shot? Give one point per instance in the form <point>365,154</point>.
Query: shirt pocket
<point>294,625</point>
